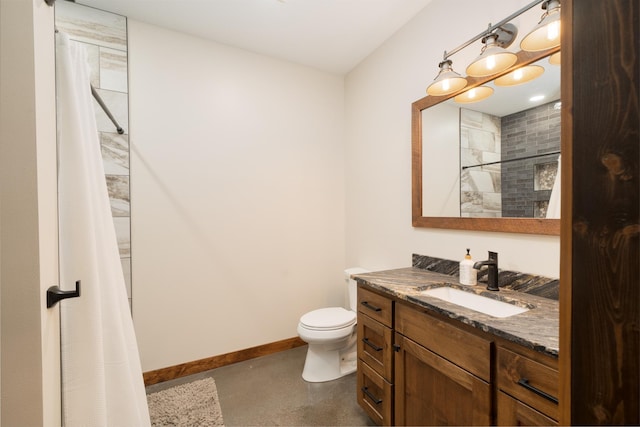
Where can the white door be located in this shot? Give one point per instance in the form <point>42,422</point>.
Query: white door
<point>30,338</point>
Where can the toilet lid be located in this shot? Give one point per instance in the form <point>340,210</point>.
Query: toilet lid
<point>328,318</point>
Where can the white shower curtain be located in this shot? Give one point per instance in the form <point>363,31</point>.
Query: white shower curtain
<point>102,381</point>
<point>553,210</point>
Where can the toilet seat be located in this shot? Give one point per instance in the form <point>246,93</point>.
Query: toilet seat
<point>328,319</point>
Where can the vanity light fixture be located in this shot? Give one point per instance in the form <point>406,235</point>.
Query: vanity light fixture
<point>494,58</point>
<point>447,81</point>
<point>546,34</point>
<point>474,95</point>
<point>520,75</point>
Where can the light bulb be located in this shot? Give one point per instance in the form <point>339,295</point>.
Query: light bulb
<point>491,62</point>
<point>520,75</point>
<point>553,30</point>
<point>546,34</point>
<point>447,81</point>
<point>517,74</point>
<point>492,59</point>
<point>474,95</point>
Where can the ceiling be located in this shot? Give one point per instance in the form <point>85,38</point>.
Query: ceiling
<point>330,35</point>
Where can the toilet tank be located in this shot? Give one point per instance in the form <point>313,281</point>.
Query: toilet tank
<point>352,286</point>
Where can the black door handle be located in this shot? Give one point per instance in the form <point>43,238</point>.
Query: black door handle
<point>55,294</point>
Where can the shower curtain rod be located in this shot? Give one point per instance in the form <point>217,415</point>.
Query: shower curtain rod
<point>535,156</point>
<point>98,98</point>
<point>95,94</point>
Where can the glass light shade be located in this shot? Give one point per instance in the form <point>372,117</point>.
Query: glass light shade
<point>492,60</point>
<point>520,75</point>
<point>447,81</point>
<point>555,59</point>
<point>474,95</point>
<point>546,34</point>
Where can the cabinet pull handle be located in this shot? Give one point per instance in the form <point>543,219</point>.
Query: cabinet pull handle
<point>370,344</point>
<point>524,382</point>
<point>370,307</point>
<point>366,391</point>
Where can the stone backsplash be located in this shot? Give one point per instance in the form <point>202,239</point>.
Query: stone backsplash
<point>521,282</point>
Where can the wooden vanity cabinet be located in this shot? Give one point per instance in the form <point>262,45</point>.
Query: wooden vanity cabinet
<point>416,367</point>
<point>528,387</point>
<point>442,373</point>
<point>375,355</point>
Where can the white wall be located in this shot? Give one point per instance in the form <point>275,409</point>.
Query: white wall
<point>442,199</point>
<point>379,93</point>
<point>237,195</point>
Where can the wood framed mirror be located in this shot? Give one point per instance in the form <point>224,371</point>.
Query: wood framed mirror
<point>428,212</point>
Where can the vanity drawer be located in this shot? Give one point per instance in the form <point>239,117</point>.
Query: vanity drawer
<point>375,306</point>
<point>528,381</point>
<point>374,346</point>
<point>375,395</point>
<point>512,412</point>
<point>466,350</point>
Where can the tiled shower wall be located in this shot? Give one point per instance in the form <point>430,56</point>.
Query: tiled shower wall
<point>104,36</point>
<point>480,136</point>
<point>527,184</point>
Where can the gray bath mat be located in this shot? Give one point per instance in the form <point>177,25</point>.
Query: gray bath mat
<point>192,404</point>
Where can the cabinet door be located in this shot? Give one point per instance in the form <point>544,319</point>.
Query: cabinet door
<point>469,351</point>
<point>512,412</point>
<point>430,390</point>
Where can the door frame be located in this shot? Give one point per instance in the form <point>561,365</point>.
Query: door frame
<point>30,333</point>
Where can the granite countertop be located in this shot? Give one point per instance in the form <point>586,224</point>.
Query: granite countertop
<point>537,328</point>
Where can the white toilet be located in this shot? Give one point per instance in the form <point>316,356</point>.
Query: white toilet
<point>332,337</point>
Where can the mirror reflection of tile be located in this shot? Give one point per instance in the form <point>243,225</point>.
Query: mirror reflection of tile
<point>480,142</point>
<point>510,189</point>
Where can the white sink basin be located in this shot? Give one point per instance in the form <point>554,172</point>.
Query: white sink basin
<point>475,302</point>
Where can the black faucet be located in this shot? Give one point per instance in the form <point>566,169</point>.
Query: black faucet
<point>492,269</point>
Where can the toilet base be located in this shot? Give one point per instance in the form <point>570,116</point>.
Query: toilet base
<point>323,364</point>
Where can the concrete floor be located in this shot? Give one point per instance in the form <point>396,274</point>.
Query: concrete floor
<point>270,391</point>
